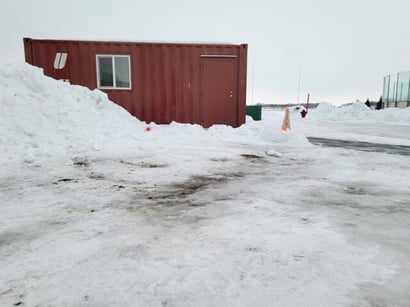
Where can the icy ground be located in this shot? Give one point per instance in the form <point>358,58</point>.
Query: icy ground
<point>96,211</point>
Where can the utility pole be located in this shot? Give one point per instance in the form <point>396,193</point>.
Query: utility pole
<point>299,73</point>
<point>253,85</point>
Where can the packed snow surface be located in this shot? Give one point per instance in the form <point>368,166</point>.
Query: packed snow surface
<point>97,210</point>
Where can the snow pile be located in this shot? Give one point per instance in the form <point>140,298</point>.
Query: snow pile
<point>40,116</point>
<point>358,111</point>
<point>393,115</point>
<point>325,107</point>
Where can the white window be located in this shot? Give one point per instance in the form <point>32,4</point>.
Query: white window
<point>113,71</point>
<point>60,60</point>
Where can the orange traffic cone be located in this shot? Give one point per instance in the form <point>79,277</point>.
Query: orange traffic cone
<point>286,121</point>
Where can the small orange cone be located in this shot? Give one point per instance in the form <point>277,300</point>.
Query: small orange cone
<point>286,121</point>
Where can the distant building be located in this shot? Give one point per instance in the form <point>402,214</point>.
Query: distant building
<point>396,90</point>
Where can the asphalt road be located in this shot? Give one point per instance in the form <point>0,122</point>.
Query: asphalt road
<point>364,146</point>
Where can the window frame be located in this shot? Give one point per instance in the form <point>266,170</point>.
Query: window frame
<point>113,56</point>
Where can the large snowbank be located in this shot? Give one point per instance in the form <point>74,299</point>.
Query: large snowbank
<point>358,111</point>
<point>42,117</point>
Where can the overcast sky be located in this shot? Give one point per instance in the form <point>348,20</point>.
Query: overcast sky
<point>342,49</point>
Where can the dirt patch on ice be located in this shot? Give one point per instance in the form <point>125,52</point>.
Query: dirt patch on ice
<point>251,156</point>
<point>184,193</point>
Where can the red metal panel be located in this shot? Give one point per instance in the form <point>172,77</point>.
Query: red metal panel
<point>28,53</point>
<point>242,73</point>
<point>165,78</point>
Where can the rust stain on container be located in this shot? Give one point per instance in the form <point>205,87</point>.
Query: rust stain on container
<point>156,82</point>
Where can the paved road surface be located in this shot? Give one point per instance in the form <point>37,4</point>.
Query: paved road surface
<point>364,146</point>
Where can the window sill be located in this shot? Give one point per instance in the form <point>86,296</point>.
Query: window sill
<point>115,88</point>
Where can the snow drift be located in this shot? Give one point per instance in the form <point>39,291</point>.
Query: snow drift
<point>56,119</point>
<point>46,117</point>
<point>358,111</point>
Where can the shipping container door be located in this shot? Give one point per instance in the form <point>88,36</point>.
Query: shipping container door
<point>218,90</point>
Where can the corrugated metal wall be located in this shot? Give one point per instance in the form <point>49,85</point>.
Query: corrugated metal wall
<point>166,78</point>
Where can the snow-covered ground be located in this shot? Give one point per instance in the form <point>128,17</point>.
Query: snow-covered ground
<point>97,211</point>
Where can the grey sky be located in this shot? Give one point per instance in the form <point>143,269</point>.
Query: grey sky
<point>342,48</point>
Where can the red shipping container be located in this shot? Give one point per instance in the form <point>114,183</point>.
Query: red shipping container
<point>156,82</point>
